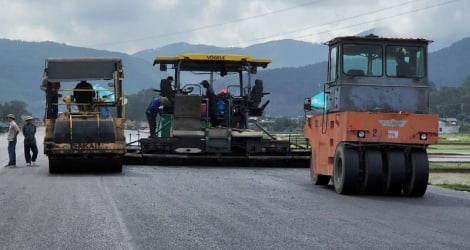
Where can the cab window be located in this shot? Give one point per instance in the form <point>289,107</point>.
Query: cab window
<point>362,60</point>
<point>405,61</point>
<point>333,64</point>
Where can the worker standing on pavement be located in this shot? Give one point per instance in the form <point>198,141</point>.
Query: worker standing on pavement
<point>29,132</point>
<point>13,131</point>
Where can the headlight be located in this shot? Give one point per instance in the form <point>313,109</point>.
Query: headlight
<point>361,134</point>
<point>423,136</point>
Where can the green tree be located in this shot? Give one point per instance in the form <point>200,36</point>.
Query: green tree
<point>446,101</point>
<point>452,102</point>
<point>137,104</point>
<point>18,108</point>
<point>284,123</point>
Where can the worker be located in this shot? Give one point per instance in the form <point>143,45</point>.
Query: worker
<point>212,98</point>
<point>83,94</point>
<point>166,89</point>
<point>52,97</point>
<point>29,132</point>
<point>153,110</point>
<point>403,68</point>
<point>12,136</point>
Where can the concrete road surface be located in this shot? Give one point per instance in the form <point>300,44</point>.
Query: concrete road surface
<point>215,208</point>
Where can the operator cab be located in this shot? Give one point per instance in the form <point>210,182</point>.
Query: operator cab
<point>377,74</point>
<point>229,75</point>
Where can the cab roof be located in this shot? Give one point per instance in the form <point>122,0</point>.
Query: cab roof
<point>212,61</point>
<point>81,68</point>
<point>374,39</point>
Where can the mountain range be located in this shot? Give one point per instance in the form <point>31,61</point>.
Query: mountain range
<point>298,69</point>
<point>284,53</point>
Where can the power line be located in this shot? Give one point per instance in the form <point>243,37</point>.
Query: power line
<point>391,16</point>
<point>333,22</point>
<point>349,18</point>
<point>161,36</point>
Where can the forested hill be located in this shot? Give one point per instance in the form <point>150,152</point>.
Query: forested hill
<point>22,65</point>
<point>284,53</point>
<point>289,86</point>
<point>298,69</point>
<point>450,66</point>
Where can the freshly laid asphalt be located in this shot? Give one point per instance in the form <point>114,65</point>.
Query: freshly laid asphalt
<point>160,207</point>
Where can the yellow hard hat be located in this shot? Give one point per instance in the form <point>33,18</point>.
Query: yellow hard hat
<point>164,100</point>
<point>12,116</point>
<point>67,99</point>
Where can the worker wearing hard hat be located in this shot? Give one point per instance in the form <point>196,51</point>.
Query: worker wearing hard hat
<point>12,135</point>
<point>29,132</point>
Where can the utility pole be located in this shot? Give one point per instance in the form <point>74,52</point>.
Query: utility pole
<point>463,118</point>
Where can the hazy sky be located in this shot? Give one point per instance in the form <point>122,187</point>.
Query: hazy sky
<point>134,25</point>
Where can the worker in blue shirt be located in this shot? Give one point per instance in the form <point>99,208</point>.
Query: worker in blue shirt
<point>153,110</point>
<point>29,132</point>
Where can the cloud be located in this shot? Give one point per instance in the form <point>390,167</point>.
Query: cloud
<point>130,26</point>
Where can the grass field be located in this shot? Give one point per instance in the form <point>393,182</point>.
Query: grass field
<point>454,138</point>
<point>451,144</point>
<point>449,149</point>
<point>454,176</point>
<point>458,187</point>
<point>449,167</point>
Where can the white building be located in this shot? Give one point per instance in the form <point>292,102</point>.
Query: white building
<point>448,126</point>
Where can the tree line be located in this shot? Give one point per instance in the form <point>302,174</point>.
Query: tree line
<point>452,102</point>
<point>17,108</point>
<point>445,101</point>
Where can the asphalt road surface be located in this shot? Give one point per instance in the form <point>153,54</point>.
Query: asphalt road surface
<point>214,208</point>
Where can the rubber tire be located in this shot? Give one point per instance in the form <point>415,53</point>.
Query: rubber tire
<point>319,179</point>
<point>417,182</point>
<point>115,165</point>
<point>373,167</point>
<point>395,172</point>
<point>346,170</point>
<point>54,165</point>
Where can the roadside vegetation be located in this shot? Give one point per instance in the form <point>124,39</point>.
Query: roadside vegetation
<point>450,167</point>
<point>451,144</point>
<point>460,138</point>
<point>458,187</point>
<point>17,108</point>
<point>462,169</point>
<point>449,149</point>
